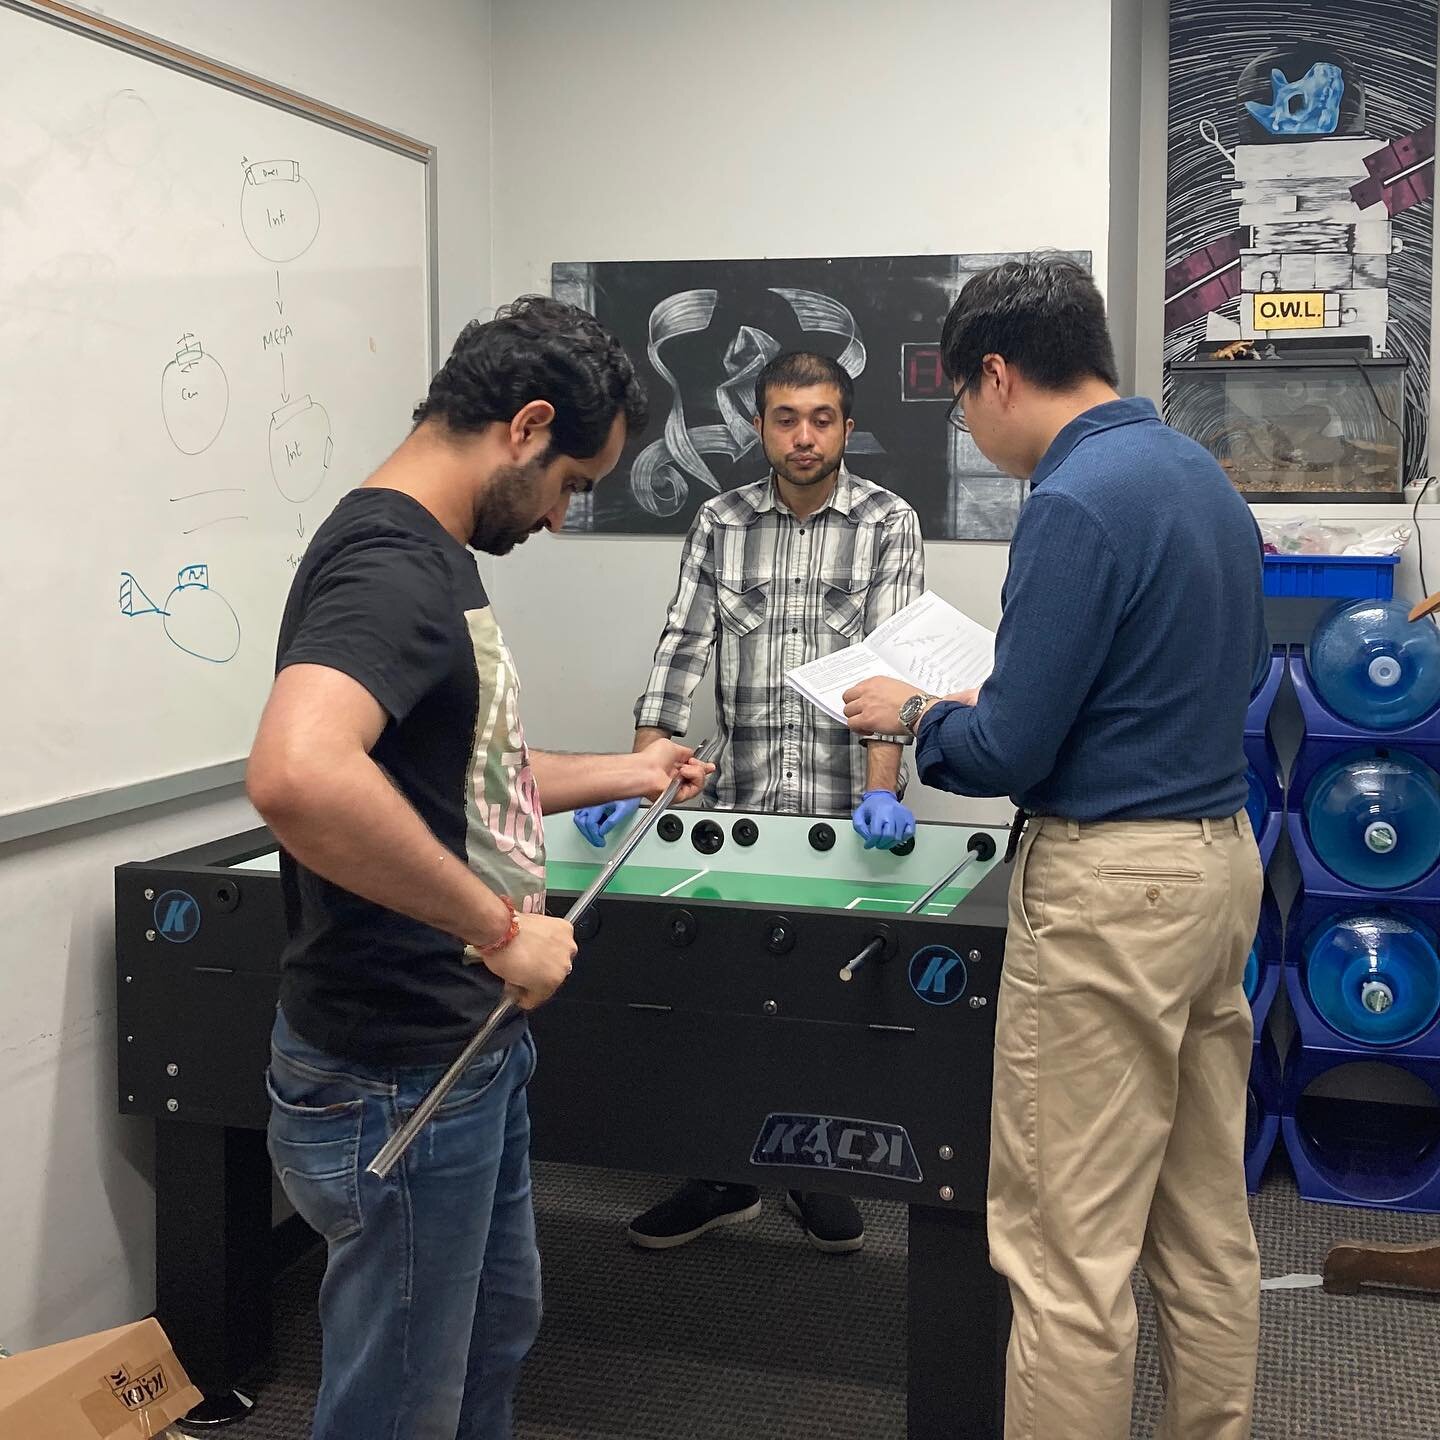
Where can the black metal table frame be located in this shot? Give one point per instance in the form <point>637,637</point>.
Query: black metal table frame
<point>215,1246</point>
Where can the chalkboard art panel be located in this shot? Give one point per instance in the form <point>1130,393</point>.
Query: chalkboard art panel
<point>701,331</point>
<point>1301,190</point>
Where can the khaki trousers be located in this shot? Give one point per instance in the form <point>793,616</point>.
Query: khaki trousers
<point>1122,1054</point>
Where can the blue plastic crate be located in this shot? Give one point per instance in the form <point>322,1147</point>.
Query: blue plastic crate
<point>1331,576</point>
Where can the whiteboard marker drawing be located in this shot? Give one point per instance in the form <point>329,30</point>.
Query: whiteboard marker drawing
<point>300,448</point>
<point>197,619</point>
<point>279,211</point>
<point>194,397</point>
<point>130,131</point>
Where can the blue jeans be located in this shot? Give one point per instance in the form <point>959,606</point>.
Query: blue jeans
<point>431,1296</point>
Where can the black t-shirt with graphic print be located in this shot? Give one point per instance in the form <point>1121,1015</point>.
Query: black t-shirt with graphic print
<point>386,595</point>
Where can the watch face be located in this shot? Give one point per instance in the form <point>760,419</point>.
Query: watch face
<point>911,708</point>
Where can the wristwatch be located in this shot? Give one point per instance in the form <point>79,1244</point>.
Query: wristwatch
<point>912,709</point>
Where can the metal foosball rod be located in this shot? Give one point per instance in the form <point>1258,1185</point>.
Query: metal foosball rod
<point>980,846</point>
<point>395,1147</point>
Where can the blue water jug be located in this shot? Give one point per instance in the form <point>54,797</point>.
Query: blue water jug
<point>1374,978</point>
<point>1375,667</point>
<point>1374,818</point>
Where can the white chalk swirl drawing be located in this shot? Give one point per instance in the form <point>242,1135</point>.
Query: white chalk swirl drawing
<point>658,479</point>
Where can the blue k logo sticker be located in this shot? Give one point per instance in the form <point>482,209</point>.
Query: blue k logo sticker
<point>177,917</point>
<point>937,975</point>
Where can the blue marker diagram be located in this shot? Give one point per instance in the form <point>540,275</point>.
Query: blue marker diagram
<point>197,618</point>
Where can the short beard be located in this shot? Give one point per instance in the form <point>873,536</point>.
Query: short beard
<point>822,474</point>
<point>511,498</point>
<point>818,478</point>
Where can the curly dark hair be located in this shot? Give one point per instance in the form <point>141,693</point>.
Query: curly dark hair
<point>538,349</point>
<point>1043,314</point>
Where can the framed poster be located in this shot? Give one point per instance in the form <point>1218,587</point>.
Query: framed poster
<point>700,332</point>
<point>1301,206</point>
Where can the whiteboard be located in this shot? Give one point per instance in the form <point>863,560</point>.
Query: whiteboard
<point>216,314</point>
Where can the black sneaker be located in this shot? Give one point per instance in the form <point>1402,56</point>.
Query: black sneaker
<point>832,1223</point>
<point>697,1206</point>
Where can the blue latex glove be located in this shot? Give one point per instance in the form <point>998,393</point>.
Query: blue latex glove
<point>881,821</point>
<point>595,822</point>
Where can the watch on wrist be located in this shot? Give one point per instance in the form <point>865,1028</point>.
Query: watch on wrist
<point>912,709</point>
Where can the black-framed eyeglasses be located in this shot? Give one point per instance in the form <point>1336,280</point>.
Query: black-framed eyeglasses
<point>955,415</point>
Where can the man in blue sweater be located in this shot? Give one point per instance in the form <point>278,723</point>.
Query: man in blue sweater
<point>1133,623</point>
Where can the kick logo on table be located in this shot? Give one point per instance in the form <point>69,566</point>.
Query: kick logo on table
<point>829,1142</point>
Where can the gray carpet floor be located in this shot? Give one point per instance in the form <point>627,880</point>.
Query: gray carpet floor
<point>749,1334</point>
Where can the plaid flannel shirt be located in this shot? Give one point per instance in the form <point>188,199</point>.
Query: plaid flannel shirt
<point>775,592</point>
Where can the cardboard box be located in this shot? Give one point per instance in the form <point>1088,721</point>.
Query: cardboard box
<point>122,1384</point>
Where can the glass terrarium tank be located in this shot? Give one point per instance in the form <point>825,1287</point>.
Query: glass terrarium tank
<point>1295,431</point>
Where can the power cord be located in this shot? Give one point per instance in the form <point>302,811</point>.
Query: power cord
<point>1420,535</point>
<point>1405,481</point>
<point>1379,405</point>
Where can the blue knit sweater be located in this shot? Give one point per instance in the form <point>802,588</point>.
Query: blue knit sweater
<point>1133,625</point>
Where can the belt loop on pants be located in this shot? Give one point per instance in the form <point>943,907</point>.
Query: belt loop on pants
<point>1235,820</point>
<point>1205,830</point>
<point>1072,829</point>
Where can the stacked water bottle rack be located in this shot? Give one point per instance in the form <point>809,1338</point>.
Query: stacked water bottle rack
<point>1265,807</point>
<point>1362,972</point>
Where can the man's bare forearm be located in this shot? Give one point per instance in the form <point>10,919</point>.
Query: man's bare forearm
<point>569,782</point>
<point>348,823</point>
<point>648,735</point>
<point>882,764</point>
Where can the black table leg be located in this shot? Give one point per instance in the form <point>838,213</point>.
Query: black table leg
<point>959,1323</point>
<point>212,1256</point>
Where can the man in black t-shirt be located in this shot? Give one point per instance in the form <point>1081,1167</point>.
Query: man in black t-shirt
<point>392,767</point>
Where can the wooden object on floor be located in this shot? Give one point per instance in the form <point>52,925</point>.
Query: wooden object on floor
<point>1351,1264</point>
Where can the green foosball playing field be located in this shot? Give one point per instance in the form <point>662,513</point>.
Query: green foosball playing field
<point>781,860</point>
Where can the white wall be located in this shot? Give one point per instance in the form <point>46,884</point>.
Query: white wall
<point>1126,180</point>
<point>1152,81</point>
<point>809,127</point>
<point>75,1181</point>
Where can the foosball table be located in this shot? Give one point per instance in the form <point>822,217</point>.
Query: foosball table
<point>790,1008</point>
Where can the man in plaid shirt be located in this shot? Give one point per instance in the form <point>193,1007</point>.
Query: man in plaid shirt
<point>794,567</point>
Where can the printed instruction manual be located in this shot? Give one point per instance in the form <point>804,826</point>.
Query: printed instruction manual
<point>929,644</point>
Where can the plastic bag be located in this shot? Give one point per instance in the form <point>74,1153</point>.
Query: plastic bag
<point>1304,536</point>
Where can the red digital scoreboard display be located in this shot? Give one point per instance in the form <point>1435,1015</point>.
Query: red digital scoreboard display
<point>922,377</point>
